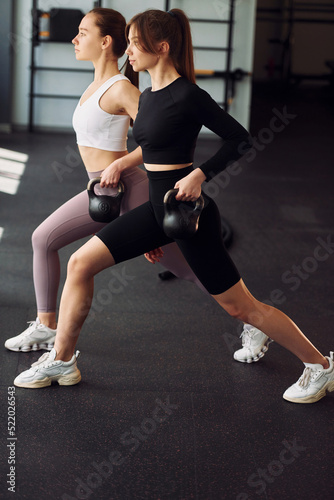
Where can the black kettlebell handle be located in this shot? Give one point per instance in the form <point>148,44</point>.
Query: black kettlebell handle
<point>97,180</point>
<point>199,203</point>
<point>102,207</point>
<point>181,221</point>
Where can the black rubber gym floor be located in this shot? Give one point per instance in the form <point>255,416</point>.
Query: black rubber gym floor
<point>163,411</point>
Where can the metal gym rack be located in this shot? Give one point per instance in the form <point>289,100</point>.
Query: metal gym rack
<point>230,77</point>
<point>290,15</point>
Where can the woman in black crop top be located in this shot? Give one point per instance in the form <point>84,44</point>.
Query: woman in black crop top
<point>169,118</point>
<point>101,40</point>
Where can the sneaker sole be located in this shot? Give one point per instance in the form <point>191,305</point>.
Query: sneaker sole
<point>258,356</point>
<point>70,379</point>
<point>313,399</point>
<point>34,347</point>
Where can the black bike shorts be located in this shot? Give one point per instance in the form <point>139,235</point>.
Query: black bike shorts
<point>141,230</point>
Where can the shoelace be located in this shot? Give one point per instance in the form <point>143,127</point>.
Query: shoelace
<point>40,362</point>
<point>307,376</point>
<point>32,326</point>
<point>246,336</point>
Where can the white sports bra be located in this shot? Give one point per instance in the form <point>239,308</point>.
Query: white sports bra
<point>96,128</point>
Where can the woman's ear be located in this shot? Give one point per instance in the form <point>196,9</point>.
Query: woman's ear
<point>107,41</point>
<point>163,48</point>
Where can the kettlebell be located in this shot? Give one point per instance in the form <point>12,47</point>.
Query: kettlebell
<point>104,208</point>
<point>181,218</point>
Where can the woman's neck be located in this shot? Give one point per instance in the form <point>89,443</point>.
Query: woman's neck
<point>162,76</point>
<point>103,70</point>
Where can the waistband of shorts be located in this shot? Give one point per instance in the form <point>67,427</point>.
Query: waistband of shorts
<point>169,174</point>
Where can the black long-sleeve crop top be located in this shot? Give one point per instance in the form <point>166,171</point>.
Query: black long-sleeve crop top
<point>169,120</point>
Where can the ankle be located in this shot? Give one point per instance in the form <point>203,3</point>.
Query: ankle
<point>52,326</point>
<point>48,320</point>
<point>325,364</point>
<point>63,355</point>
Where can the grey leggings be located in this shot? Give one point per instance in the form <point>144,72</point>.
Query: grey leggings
<point>71,222</point>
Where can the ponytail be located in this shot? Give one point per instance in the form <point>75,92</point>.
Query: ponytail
<point>154,26</point>
<point>110,22</point>
<point>130,73</point>
<point>184,58</point>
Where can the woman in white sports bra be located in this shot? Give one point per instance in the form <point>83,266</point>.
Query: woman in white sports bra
<point>101,121</point>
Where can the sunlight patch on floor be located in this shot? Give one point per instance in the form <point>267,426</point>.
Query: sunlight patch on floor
<point>12,167</point>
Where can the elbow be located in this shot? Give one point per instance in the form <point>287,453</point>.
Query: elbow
<point>245,144</point>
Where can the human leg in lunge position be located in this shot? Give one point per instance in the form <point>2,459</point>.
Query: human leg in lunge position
<point>94,256</point>
<point>218,274</point>
<point>69,223</point>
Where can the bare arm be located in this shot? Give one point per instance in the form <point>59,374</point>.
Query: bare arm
<point>111,175</point>
<point>190,186</point>
<point>127,97</point>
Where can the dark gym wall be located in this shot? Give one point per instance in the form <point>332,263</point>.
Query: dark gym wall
<point>6,64</point>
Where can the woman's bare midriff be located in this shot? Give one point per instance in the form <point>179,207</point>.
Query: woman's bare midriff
<point>98,159</point>
<point>157,168</point>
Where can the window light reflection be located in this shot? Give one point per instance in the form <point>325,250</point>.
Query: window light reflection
<point>12,167</point>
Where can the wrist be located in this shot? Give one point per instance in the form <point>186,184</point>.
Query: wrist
<point>129,160</point>
<point>199,175</point>
<point>123,163</point>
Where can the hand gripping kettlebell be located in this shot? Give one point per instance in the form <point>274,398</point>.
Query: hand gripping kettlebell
<point>181,218</point>
<point>104,208</point>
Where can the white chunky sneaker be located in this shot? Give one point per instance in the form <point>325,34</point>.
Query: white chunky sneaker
<point>47,369</point>
<point>254,344</point>
<point>313,383</point>
<point>37,336</point>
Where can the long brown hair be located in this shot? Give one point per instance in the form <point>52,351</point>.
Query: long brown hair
<point>110,22</point>
<point>154,26</point>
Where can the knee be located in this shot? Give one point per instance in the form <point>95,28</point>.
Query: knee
<point>238,302</point>
<point>78,267</point>
<point>44,239</point>
<point>239,306</point>
<point>38,239</point>
<point>234,310</point>
<point>249,311</point>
